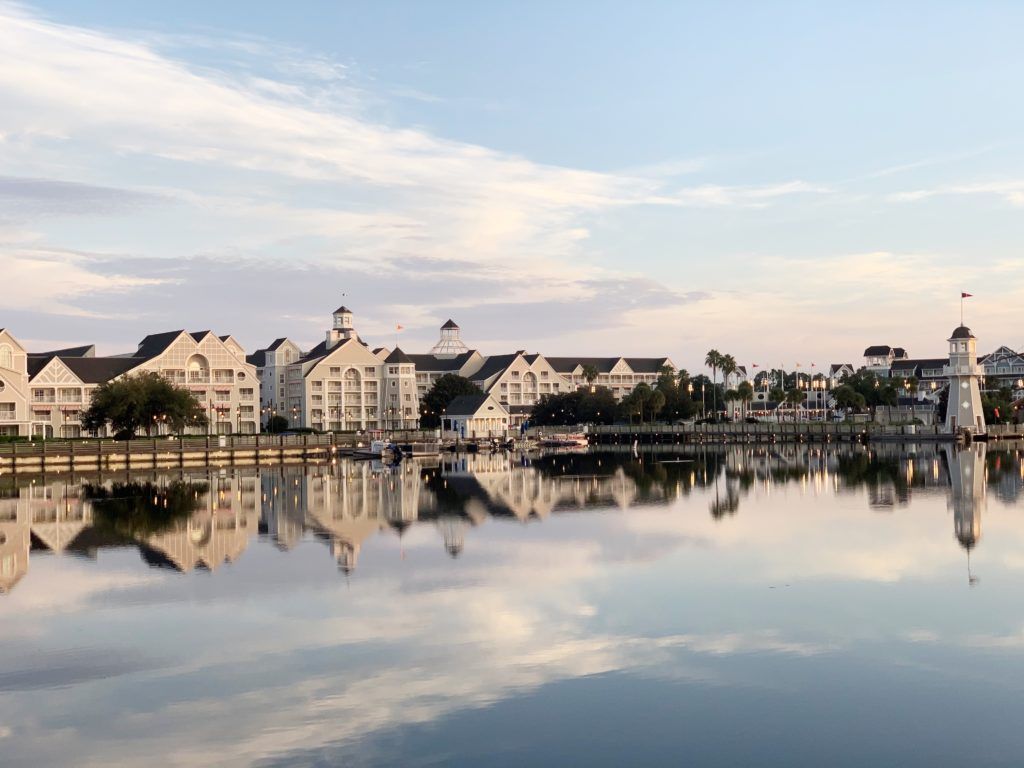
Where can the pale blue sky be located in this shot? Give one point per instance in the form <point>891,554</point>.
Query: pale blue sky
<point>788,182</point>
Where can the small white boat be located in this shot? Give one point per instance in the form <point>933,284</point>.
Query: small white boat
<point>375,450</point>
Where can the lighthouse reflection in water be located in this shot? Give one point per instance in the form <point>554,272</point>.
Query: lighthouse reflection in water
<point>455,611</point>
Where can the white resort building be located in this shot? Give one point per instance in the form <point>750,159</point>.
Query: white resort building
<point>341,384</point>
<point>44,393</point>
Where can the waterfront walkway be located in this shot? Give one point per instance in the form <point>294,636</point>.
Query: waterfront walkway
<point>206,450</point>
<point>789,432</point>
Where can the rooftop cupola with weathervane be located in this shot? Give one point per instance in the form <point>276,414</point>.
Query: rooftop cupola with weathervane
<point>342,329</point>
<point>450,344</point>
<point>964,412</point>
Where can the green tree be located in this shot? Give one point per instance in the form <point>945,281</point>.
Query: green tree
<point>713,360</point>
<point>444,390</point>
<point>140,401</point>
<point>728,367</point>
<point>578,407</point>
<point>794,398</point>
<point>656,403</point>
<point>745,392</point>
<point>590,374</point>
<point>276,424</point>
<point>847,397</point>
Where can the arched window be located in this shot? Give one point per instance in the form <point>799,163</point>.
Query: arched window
<point>6,357</point>
<point>198,368</point>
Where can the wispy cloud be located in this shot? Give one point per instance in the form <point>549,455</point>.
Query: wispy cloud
<point>282,160</point>
<point>1011,190</point>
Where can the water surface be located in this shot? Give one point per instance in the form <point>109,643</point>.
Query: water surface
<point>771,606</point>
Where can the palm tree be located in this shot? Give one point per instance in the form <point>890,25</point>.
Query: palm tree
<point>746,394</point>
<point>713,360</point>
<point>728,368</point>
<point>589,374</point>
<point>794,398</point>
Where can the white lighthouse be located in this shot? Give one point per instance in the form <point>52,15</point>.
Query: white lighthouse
<point>964,411</point>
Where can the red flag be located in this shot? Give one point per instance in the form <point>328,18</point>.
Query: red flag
<point>399,327</point>
<point>966,295</point>
<point>755,365</point>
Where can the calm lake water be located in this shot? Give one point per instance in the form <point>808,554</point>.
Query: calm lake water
<point>770,606</point>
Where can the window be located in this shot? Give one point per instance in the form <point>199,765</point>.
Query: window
<point>370,370</point>
<point>6,357</point>
<point>393,370</point>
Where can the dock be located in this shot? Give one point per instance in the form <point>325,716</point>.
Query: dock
<point>190,451</point>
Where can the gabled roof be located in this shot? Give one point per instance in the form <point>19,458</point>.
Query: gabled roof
<point>899,352</point>
<point>569,364</point>
<point>257,358</point>
<point>86,350</point>
<point>653,364</point>
<point>440,364</point>
<point>90,370</point>
<point>397,356</point>
<point>96,370</point>
<point>904,365</point>
<point>199,335</point>
<point>277,343</point>
<point>36,363</point>
<point>836,367</point>
<point>877,350</point>
<point>320,350</point>
<point>493,365</point>
<point>468,405</point>
<point>450,325</point>
<point>156,343</point>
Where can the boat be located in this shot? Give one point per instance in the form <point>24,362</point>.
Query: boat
<point>567,440</point>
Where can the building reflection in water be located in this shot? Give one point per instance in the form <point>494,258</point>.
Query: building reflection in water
<point>967,480</point>
<point>200,520</point>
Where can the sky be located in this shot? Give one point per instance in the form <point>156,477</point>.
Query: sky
<point>786,182</point>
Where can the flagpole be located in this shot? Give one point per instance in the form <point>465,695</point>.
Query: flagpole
<point>961,307</point>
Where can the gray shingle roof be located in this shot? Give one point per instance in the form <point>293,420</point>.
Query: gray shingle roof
<point>466,405</point>
<point>397,356</point>
<point>493,365</point>
<point>878,349</point>
<point>277,343</point>
<point>568,364</point>
<point>156,343</point>
<point>450,325</point>
<point>91,370</point>
<point>434,363</point>
<point>86,350</point>
<point>962,332</point>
